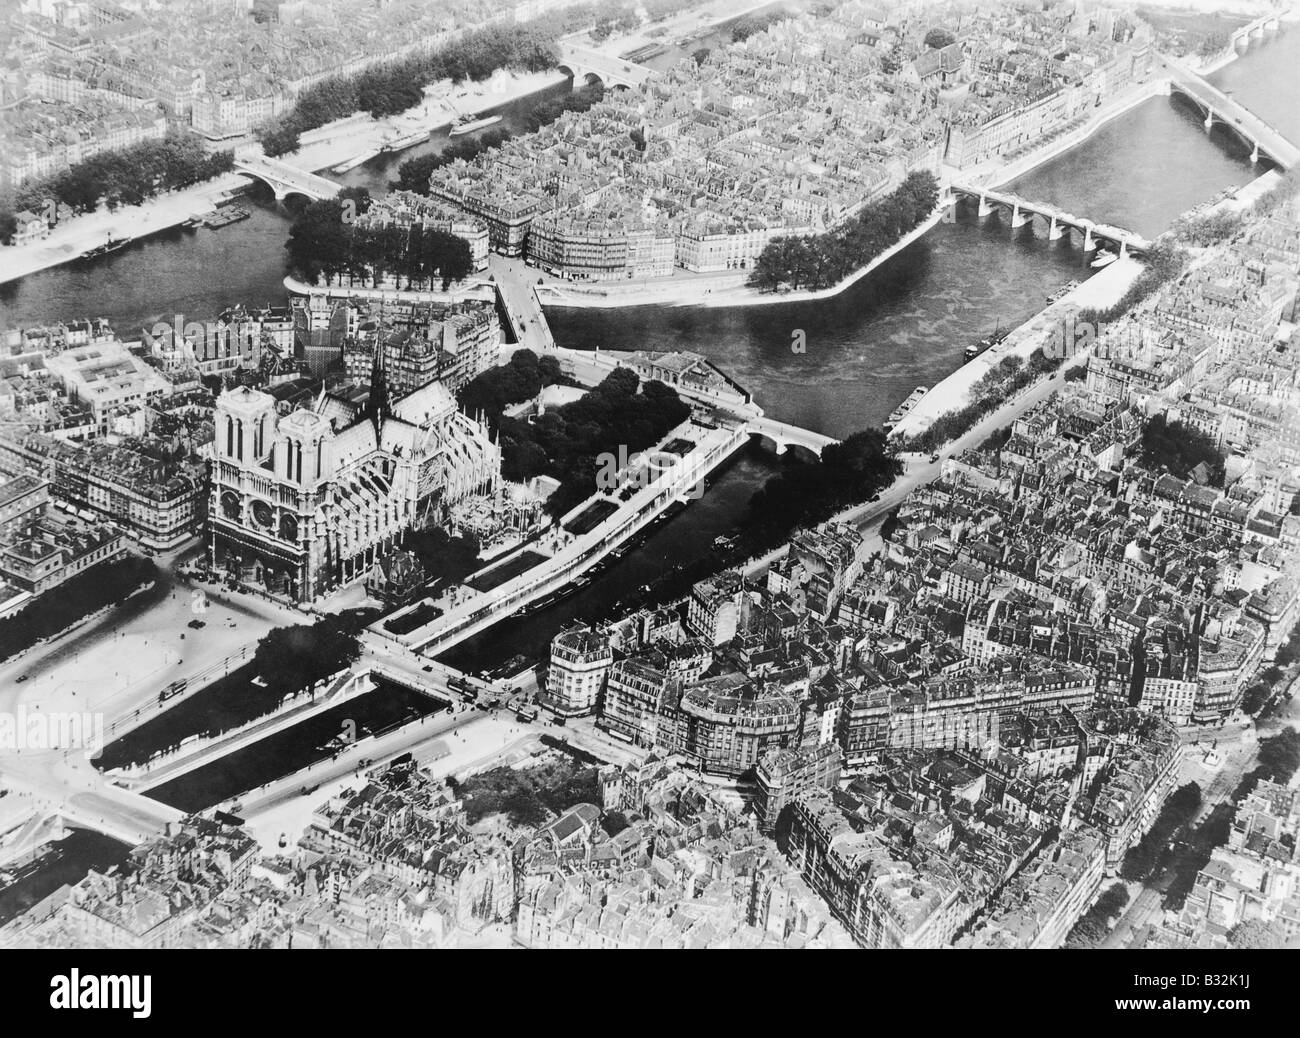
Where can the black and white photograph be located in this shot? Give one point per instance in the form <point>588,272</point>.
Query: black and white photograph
<point>651,475</point>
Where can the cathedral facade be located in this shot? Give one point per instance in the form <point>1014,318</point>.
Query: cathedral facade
<point>307,502</point>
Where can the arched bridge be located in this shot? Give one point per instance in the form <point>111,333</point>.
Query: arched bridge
<point>781,437</point>
<point>1217,106</point>
<point>587,66</point>
<point>1059,222</point>
<point>285,179</point>
<point>1256,29</point>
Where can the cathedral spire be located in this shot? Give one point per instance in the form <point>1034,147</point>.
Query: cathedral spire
<point>377,404</point>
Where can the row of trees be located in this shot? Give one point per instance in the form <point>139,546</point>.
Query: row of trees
<point>752,24</point>
<point>822,260</point>
<point>1165,262</point>
<point>564,443</point>
<point>807,493</point>
<point>1095,924</point>
<point>1262,690</point>
<point>1207,229</point>
<point>326,239</point>
<point>125,176</point>
<point>1279,757</point>
<point>626,15</point>
<point>1144,858</point>
<point>413,174</point>
<point>990,391</point>
<point>76,598</point>
<point>398,85</point>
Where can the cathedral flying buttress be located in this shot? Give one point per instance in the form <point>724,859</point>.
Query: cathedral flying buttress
<point>307,502</point>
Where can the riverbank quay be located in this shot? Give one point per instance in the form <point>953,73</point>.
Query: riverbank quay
<point>567,556</point>
<point>357,136</point>
<point>1103,289</point>
<point>72,239</point>
<point>714,290</point>
<point>730,289</point>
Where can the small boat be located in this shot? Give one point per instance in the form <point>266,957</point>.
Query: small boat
<point>406,141</point>
<point>111,244</point>
<point>468,124</point>
<point>1063,291</point>
<point>905,408</point>
<point>1104,258</point>
<point>976,348</point>
<point>226,214</point>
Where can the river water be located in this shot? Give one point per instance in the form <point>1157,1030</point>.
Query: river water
<point>905,324</point>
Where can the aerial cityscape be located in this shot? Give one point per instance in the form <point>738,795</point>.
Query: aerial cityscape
<point>650,474</point>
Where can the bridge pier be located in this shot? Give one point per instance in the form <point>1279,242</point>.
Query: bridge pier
<point>1254,155</point>
<point>986,207</point>
<point>1055,230</point>
<point>1019,219</point>
<point>1209,121</point>
<point>1123,250</point>
<point>1088,243</point>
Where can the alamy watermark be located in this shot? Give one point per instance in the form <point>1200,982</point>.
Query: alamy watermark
<point>36,729</point>
<point>1120,340</point>
<point>634,471</point>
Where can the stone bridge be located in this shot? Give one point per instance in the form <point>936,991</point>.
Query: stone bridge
<point>1216,106</point>
<point>285,179</point>
<point>1255,30</point>
<point>781,437</point>
<point>591,66</point>
<point>1059,222</point>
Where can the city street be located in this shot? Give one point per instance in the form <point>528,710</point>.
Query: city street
<point>121,659</point>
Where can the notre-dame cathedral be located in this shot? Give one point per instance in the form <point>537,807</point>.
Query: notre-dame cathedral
<point>309,501</point>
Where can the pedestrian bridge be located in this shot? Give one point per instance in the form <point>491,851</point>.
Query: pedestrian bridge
<point>591,66</point>
<point>1059,222</point>
<point>286,180</point>
<point>781,437</point>
<point>1263,139</point>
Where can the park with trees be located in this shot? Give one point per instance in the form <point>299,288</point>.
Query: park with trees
<point>565,442</point>
<point>819,261</point>
<point>323,240</point>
